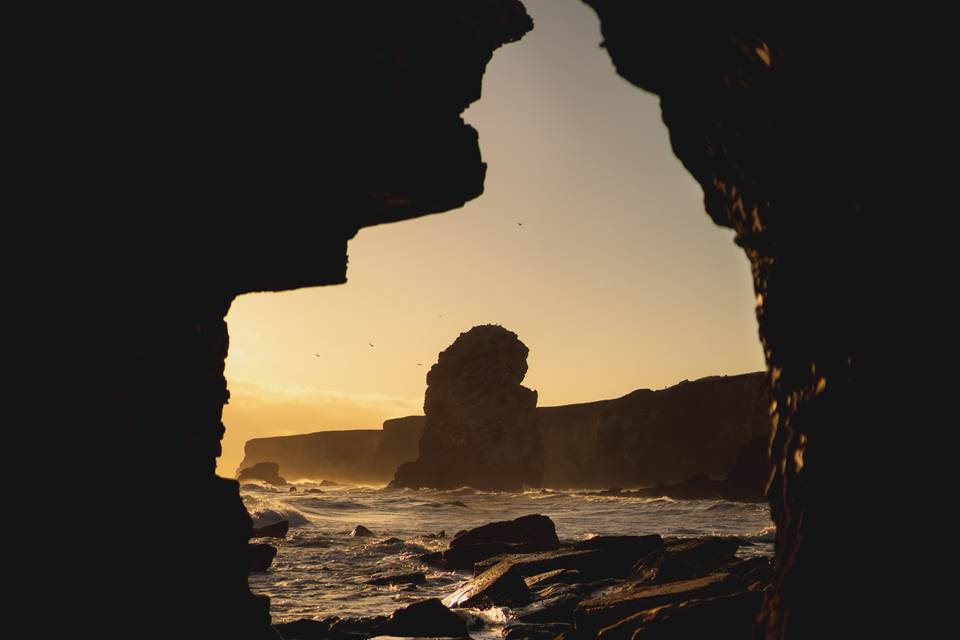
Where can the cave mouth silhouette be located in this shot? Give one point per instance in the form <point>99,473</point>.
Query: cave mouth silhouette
<point>779,128</point>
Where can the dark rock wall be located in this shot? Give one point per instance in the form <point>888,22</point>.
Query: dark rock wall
<point>216,152</point>
<point>776,118</point>
<point>481,423</point>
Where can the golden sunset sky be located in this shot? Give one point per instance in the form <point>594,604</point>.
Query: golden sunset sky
<point>616,279</point>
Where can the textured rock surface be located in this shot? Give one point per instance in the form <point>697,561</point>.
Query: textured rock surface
<point>481,423</point>
<point>399,443</point>
<point>649,437</point>
<point>792,130</point>
<point>240,159</point>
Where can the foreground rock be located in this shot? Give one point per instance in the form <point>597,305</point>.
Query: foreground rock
<point>607,609</point>
<point>268,472</point>
<point>275,530</point>
<point>731,616</point>
<point>417,577</point>
<point>481,423</point>
<point>526,534</point>
<point>426,619</point>
<point>687,559</point>
<point>361,531</point>
<point>429,619</point>
<point>504,583</point>
<point>261,556</point>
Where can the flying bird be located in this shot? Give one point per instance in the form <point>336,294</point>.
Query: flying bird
<point>519,224</point>
<point>370,343</point>
<point>419,364</point>
<point>317,354</point>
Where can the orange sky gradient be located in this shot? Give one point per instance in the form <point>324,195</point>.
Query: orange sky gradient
<point>616,280</point>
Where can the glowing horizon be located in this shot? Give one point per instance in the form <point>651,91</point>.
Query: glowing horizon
<point>616,279</point>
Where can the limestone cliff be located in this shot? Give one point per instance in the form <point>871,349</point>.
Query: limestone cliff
<point>481,423</point>
<point>643,438</point>
<point>358,456</point>
<point>648,437</point>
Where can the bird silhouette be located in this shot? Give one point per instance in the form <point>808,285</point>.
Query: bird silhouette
<point>419,364</point>
<point>317,354</point>
<point>370,343</point>
<point>519,224</point>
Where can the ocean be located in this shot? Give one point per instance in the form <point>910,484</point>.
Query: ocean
<point>320,570</point>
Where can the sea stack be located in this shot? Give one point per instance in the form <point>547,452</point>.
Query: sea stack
<point>481,423</point>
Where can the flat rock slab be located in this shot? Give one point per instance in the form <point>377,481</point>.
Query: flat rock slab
<point>602,611</point>
<point>499,586</point>
<point>557,576</point>
<point>730,616</point>
<point>687,559</point>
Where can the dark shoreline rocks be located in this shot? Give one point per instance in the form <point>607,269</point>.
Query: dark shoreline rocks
<point>526,534</point>
<point>268,472</point>
<point>614,586</point>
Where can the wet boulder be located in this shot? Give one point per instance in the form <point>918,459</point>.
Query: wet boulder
<point>416,577</point>
<point>533,529</point>
<point>275,530</point>
<point>427,619</point>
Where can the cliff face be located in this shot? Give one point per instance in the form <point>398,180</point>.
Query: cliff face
<point>358,456</point>
<point>644,438</point>
<point>790,126</point>
<point>481,423</point>
<point>649,437</point>
<point>399,443</point>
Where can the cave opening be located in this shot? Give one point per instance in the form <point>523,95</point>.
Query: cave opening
<point>588,242</point>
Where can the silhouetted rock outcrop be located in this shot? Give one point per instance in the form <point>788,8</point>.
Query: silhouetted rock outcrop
<point>481,423</point>
<point>269,472</point>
